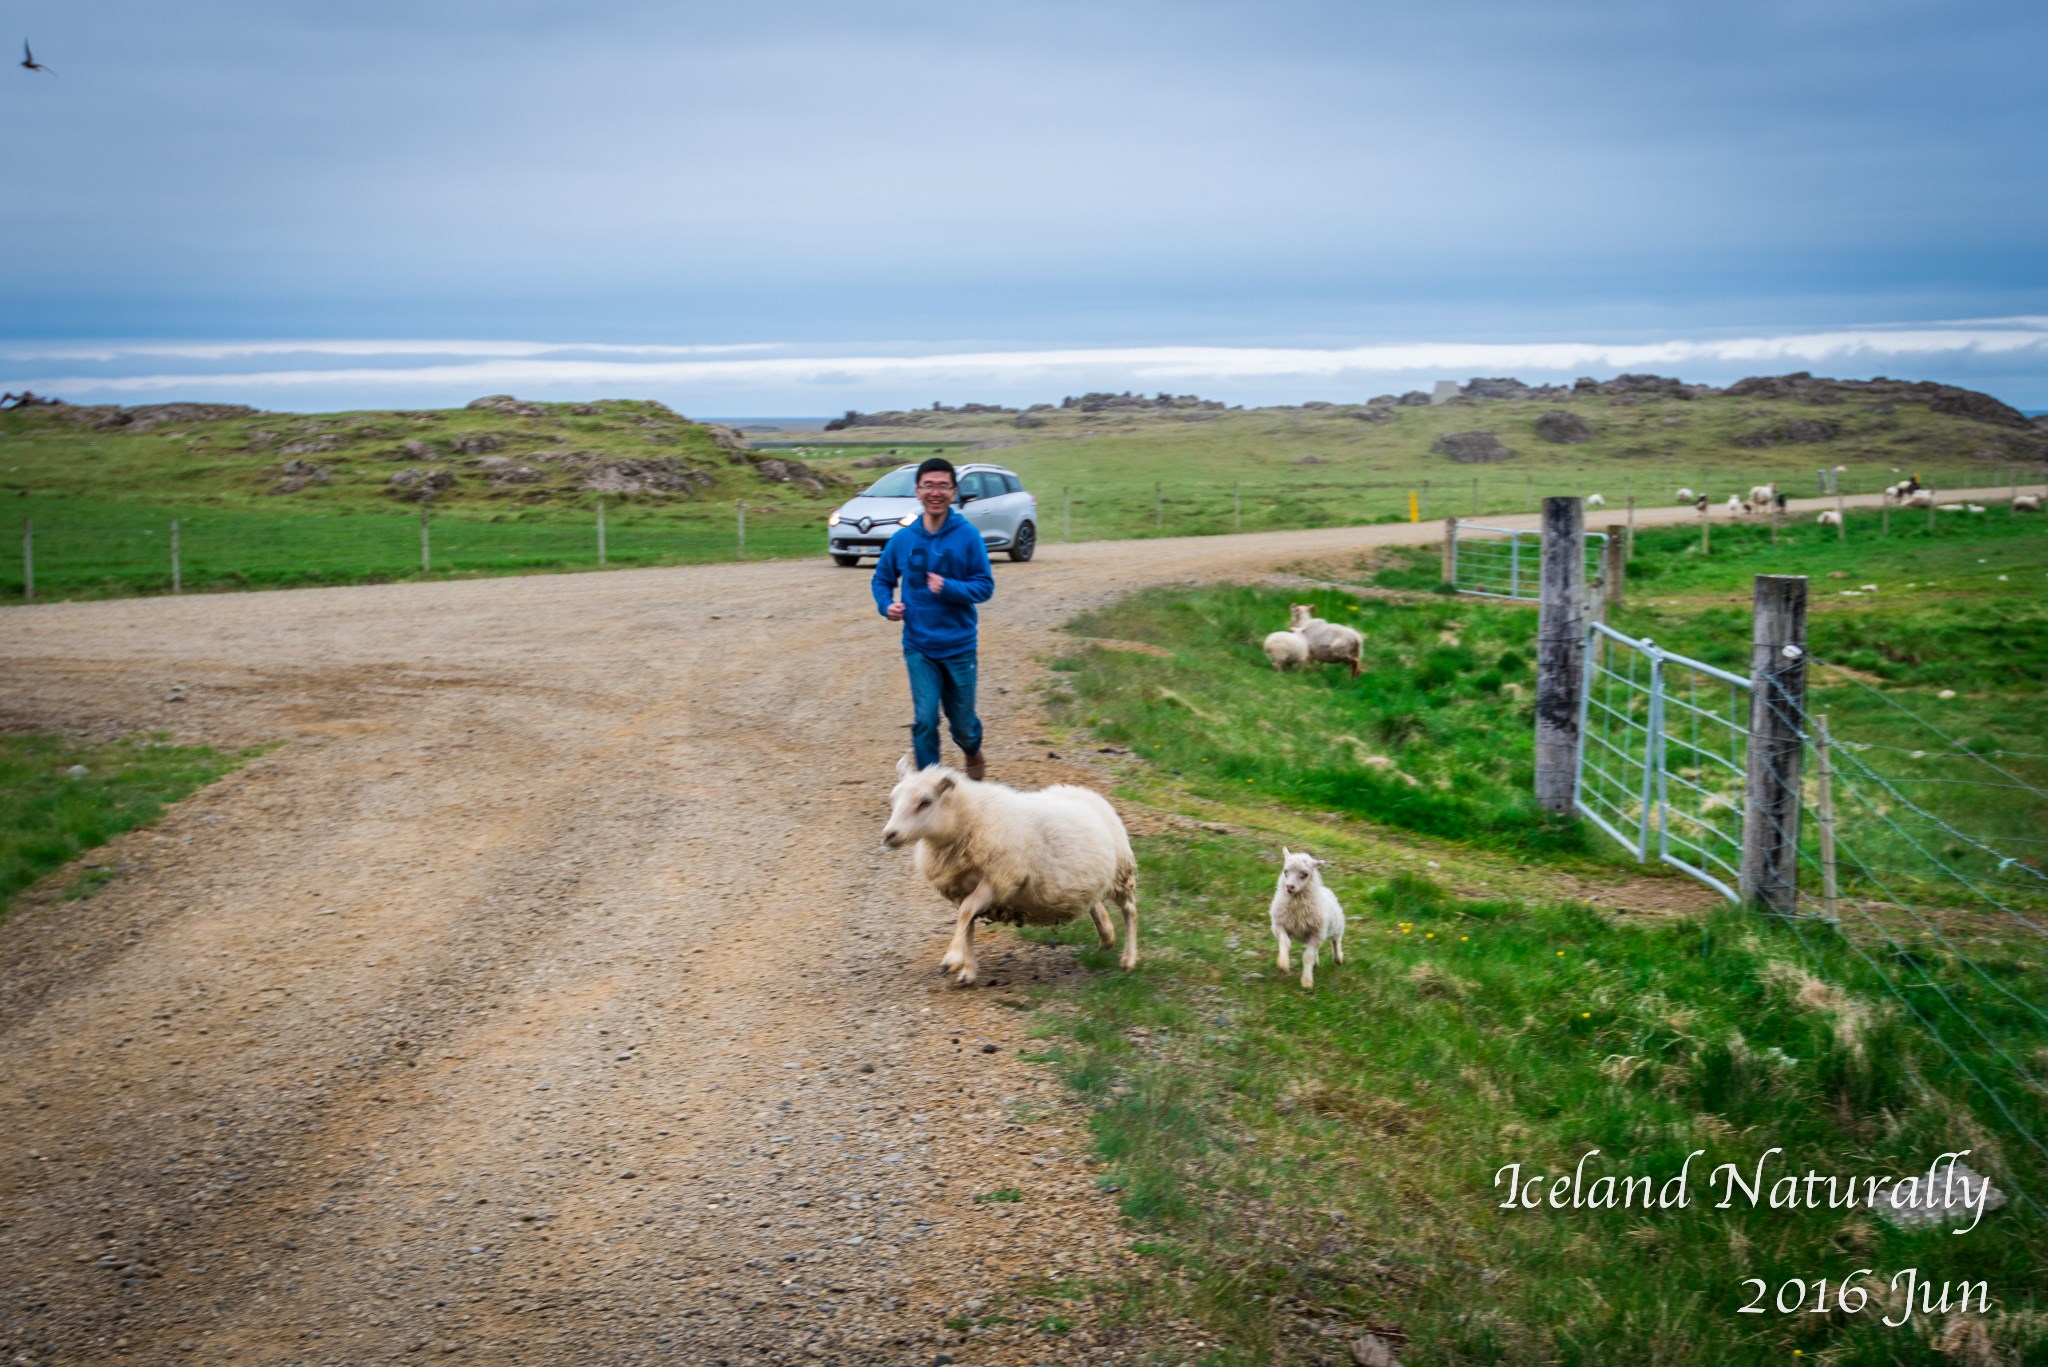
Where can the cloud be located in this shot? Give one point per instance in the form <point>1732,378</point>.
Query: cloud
<point>708,373</point>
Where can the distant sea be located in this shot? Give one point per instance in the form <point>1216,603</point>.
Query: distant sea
<point>780,424</point>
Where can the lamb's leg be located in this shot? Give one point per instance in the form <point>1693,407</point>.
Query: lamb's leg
<point>960,955</point>
<point>1127,896</point>
<point>1285,944</point>
<point>1338,945</point>
<point>1104,931</point>
<point>1309,951</point>
<point>1354,666</point>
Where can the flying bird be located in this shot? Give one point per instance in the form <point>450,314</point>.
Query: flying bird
<point>28,59</point>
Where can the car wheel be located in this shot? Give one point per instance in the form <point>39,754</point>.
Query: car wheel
<point>1024,543</point>
<point>849,561</point>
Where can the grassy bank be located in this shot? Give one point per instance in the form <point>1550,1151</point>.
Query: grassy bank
<point>1308,1168</point>
<point>50,816</point>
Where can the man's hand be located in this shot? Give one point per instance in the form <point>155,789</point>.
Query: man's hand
<point>934,582</point>
<point>895,612</point>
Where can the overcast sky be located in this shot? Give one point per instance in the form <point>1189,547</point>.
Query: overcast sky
<point>790,207</point>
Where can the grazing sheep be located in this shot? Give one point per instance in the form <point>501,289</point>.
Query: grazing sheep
<point>1305,910</point>
<point>1286,648</point>
<point>1949,507</point>
<point>1760,494</point>
<point>1736,507</point>
<point>1595,501</point>
<point>1327,641</point>
<point>1779,502</point>
<point>1686,495</point>
<point>1841,469</point>
<point>1699,504</point>
<point>1038,859</point>
<point>1919,498</point>
<point>1830,518</point>
<point>1975,507</point>
<point>2027,503</point>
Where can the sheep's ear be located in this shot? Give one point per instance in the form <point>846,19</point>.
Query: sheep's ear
<point>903,769</point>
<point>1285,854</point>
<point>943,786</point>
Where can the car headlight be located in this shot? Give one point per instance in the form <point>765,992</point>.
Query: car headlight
<point>832,521</point>
<point>906,519</point>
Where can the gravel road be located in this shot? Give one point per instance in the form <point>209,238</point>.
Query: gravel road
<point>544,997</point>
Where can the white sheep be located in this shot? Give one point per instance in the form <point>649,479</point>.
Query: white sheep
<point>1919,498</point>
<point>1975,507</point>
<point>1830,518</point>
<point>1037,859</point>
<point>1327,641</point>
<point>1763,494</point>
<point>1686,495</point>
<point>2027,503</point>
<point>1736,507</point>
<point>1596,501</point>
<point>1949,507</point>
<point>1285,648</point>
<point>1305,910</point>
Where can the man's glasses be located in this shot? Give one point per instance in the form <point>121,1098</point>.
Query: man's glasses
<point>929,487</point>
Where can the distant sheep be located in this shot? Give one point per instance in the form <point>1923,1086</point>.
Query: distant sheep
<point>1919,498</point>
<point>1305,910</point>
<point>1975,507</point>
<point>1699,504</point>
<point>1830,518</point>
<point>1686,495</point>
<point>1762,494</point>
<point>1949,507</point>
<point>1736,507</point>
<point>1037,859</point>
<point>1595,501</point>
<point>1779,502</point>
<point>2027,503</point>
<point>1327,641</point>
<point>1287,648</point>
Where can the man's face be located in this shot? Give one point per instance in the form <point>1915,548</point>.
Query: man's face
<point>935,492</point>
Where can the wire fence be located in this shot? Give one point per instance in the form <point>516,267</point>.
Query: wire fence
<point>1882,856</point>
<point>1504,562</point>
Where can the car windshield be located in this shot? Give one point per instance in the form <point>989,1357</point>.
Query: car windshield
<point>895,484</point>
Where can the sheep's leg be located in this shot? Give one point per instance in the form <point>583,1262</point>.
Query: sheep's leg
<point>1338,946</point>
<point>1354,666</point>
<point>1127,896</point>
<point>960,955</point>
<point>1281,936</point>
<point>1104,931</point>
<point>1310,949</point>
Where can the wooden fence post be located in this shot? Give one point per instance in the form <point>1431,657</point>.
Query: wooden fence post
<point>1613,568</point>
<point>1631,526</point>
<point>1560,651</point>
<point>1158,507</point>
<point>1236,506</point>
<point>28,559</point>
<point>600,533</point>
<point>1777,708</point>
<point>1066,513</point>
<point>177,569</point>
<point>1706,528</point>
<point>740,506</point>
<point>426,548</point>
<point>1841,514</point>
<point>1475,495</point>
<point>1451,551</point>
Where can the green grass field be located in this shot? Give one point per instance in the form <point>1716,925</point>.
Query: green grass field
<point>1311,1163</point>
<point>521,490</point>
<point>49,817</point>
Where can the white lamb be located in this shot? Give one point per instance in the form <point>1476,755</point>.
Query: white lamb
<point>1920,498</point>
<point>1037,859</point>
<point>1686,495</point>
<point>1305,910</point>
<point>1976,507</point>
<point>1830,518</point>
<point>1595,501</point>
<point>1327,641</point>
<point>1285,648</point>
<point>1735,506</point>
<point>1762,494</point>
<point>2027,503</point>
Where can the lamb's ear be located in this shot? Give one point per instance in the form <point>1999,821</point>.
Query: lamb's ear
<point>903,767</point>
<point>943,786</point>
<point>1285,854</point>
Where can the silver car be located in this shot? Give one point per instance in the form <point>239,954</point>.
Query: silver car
<point>990,497</point>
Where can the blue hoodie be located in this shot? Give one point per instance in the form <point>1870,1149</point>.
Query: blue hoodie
<point>940,625</point>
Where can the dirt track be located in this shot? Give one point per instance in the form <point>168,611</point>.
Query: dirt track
<point>544,998</point>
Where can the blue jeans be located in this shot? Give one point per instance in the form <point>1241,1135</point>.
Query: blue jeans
<point>936,684</point>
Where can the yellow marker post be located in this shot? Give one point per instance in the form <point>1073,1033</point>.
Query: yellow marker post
<point>1414,507</point>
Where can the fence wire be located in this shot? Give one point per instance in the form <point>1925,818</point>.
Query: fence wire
<point>1507,562</point>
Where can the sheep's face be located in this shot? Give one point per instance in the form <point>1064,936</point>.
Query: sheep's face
<point>1299,615</point>
<point>916,803</point>
<point>1297,870</point>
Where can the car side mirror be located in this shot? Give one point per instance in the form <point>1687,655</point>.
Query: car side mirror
<point>966,499</point>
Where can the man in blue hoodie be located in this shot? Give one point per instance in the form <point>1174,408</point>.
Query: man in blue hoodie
<point>942,564</point>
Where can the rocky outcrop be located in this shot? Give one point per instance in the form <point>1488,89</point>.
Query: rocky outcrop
<point>730,440</point>
<point>504,472</point>
<point>1414,398</point>
<point>1471,448</point>
<point>661,475</point>
<point>1371,413</point>
<point>1791,432</point>
<point>417,486</point>
<point>790,472</point>
<point>505,403</point>
<point>475,443</point>
<point>1102,402</point>
<point>1566,429</point>
<point>295,475</point>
